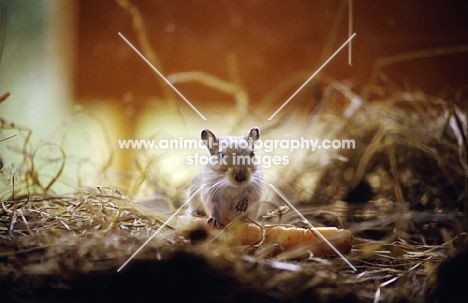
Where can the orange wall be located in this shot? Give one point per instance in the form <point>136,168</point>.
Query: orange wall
<point>271,40</point>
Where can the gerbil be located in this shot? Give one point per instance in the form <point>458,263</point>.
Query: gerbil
<point>233,181</point>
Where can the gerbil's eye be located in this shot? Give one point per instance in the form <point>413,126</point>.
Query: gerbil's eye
<point>252,154</point>
<point>220,156</point>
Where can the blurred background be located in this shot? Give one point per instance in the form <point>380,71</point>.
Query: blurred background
<point>74,81</point>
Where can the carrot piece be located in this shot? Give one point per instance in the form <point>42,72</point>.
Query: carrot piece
<point>290,238</point>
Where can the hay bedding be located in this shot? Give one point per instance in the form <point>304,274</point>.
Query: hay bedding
<point>402,192</point>
<point>405,202</point>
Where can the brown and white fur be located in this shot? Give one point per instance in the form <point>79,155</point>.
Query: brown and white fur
<point>232,182</point>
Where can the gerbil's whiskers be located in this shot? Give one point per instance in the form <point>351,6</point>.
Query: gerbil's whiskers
<point>312,227</point>
<point>215,188</point>
<point>161,227</point>
<point>255,181</point>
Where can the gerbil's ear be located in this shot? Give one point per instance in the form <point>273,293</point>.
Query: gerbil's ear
<point>210,141</point>
<point>253,136</point>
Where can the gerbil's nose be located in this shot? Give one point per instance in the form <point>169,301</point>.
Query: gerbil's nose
<point>240,177</point>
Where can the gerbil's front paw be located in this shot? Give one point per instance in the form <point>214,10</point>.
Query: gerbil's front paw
<point>242,205</point>
<point>215,222</point>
